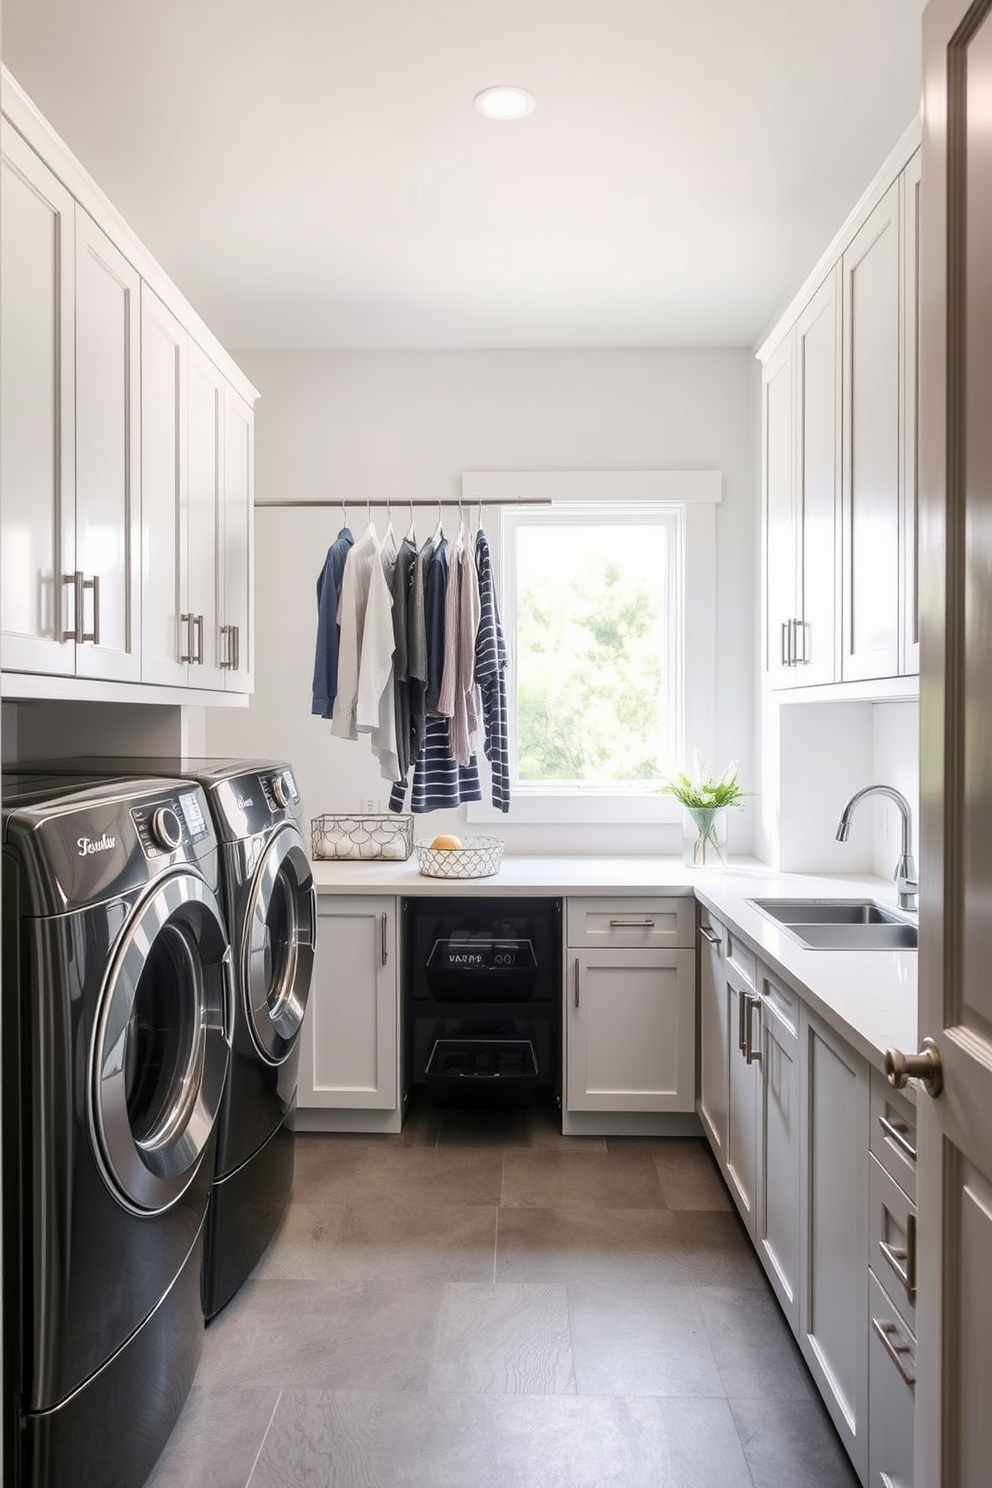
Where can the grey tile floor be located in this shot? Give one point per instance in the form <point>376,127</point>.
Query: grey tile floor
<point>483,1303</point>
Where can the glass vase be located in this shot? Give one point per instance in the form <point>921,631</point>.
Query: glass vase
<point>704,836</point>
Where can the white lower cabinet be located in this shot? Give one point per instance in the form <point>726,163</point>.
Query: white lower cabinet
<point>819,1156</point>
<point>350,1044</point>
<point>630,1007</point>
<point>777,1209</point>
<point>833,1326</point>
<point>631,1031</point>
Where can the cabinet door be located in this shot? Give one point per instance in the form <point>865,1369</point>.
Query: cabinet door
<point>818,497</point>
<point>107,456</point>
<point>165,636</point>
<point>631,1031</point>
<point>780,516</point>
<point>37,413</point>
<point>714,1049</point>
<point>204,579</point>
<point>833,1332</point>
<point>777,1218</point>
<point>909,608</point>
<point>743,1025</point>
<point>872,452</point>
<point>237,640</point>
<point>349,1054</point>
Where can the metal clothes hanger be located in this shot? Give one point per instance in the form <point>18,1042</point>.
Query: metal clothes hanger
<point>412,534</point>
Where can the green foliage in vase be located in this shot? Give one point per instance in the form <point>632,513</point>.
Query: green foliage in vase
<point>706,792</point>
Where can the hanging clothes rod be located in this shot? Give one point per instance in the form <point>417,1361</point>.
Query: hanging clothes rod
<point>405,501</point>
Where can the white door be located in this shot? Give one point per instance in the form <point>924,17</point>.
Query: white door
<point>108,502</point>
<point>954,1313</point>
<point>38,474</point>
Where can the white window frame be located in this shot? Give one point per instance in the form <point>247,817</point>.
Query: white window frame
<point>696,493</point>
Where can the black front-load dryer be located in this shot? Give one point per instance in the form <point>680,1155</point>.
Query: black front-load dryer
<point>115,1049</point>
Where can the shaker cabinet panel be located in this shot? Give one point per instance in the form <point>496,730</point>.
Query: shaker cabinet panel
<point>872,453</point>
<point>833,1331</point>
<point>108,474</point>
<point>203,557</point>
<point>782,594</point>
<point>237,642</point>
<point>349,1053</point>
<point>631,1031</point>
<point>37,416</point>
<point>818,476</point>
<point>163,493</point>
<point>714,1053</point>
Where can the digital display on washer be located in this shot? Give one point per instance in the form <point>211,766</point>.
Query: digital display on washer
<point>196,826</point>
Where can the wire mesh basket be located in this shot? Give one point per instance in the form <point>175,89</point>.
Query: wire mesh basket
<point>385,836</point>
<point>478,857</point>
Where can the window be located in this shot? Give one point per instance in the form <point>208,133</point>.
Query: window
<point>607,595</point>
<point>593,617</point>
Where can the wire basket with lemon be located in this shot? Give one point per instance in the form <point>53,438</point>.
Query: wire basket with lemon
<point>448,856</point>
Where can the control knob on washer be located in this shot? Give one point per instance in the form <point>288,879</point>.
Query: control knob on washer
<point>280,791</point>
<point>166,829</point>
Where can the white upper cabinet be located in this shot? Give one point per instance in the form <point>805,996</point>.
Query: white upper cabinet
<point>839,453</point>
<point>37,413</point>
<point>871,268</point>
<point>108,505</point>
<point>801,452</point>
<point>237,642</point>
<point>163,491</point>
<point>125,445</point>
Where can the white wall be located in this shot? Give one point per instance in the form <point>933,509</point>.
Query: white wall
<point>398,424</point>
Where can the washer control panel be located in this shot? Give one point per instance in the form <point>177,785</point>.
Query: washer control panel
<point>280,790</point>
<point>166,825</point>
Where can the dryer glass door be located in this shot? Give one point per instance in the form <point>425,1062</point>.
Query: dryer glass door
<point>162,1044</point>
<point>279,940</point>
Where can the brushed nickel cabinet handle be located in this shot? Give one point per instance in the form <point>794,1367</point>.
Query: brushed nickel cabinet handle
<point>709,935</point>
<point>236,634</point>
<point>576,981</point>
<point>94,634</point>
<point>75,579</point>
<point>632,924</point>
<point>898,1132</point>
<point>751,1054</point>
<point>785,642</point>
<point>198,631</point>
<point>741,1016</point>
<point>187,655</point>
<point>385,945</point>
<point>887,1332</point>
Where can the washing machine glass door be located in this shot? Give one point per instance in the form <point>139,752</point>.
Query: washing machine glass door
<point>161,1044</point>
<point>278,948</point>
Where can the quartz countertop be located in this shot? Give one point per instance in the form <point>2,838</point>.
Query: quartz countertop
<point>869,997</point>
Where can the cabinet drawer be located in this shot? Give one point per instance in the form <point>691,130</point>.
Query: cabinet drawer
<point>781,1003</point>
<point>892,1229</point>
<point>732,948</point>
<point>893,1132</point>
<point>892,1391</point>
<point>642,922</point>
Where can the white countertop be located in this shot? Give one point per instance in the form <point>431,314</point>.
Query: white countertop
<point>869,997</point>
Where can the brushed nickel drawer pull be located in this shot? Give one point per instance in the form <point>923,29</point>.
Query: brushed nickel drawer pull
<point>576,981</point>
<point>886,1331</point>
<point>632,924</point>
<point>899,1134</point>
<point>709,935</point>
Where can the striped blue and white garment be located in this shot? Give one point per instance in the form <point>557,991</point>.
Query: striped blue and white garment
<point>438,780</point>
<point>490,674</point>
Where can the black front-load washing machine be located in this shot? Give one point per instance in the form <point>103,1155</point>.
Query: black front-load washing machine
<point>266,885</point>
<point>115,1050</point>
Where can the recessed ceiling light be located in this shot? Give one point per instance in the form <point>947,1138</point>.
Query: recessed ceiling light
<point>505,102</point>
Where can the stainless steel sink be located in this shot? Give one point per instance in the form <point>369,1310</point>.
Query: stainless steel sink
<point>841,924</point>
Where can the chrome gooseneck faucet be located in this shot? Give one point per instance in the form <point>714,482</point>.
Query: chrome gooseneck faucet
<point>905,877</point>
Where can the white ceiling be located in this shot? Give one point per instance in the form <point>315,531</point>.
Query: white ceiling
<point>311,173</point>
